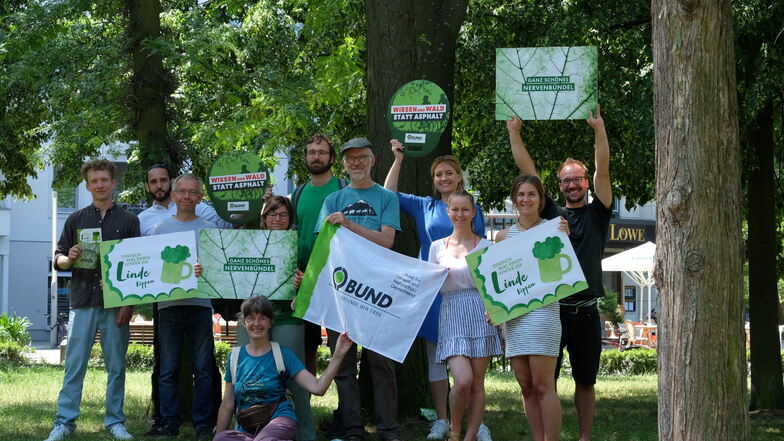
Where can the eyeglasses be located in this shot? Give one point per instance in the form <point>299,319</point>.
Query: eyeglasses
<point>577,180</point>
<point>317,153</point>
<point>280,215</point>
<point>188,192</point>
<point>362,159</point>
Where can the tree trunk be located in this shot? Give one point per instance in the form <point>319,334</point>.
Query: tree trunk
<point>699,254</point>
<point>767,388</point>
<point>409,40</point>
<point>149,86</point>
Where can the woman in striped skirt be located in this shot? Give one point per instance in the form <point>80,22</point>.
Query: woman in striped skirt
<point>465,340</point>
<point>533,340</point>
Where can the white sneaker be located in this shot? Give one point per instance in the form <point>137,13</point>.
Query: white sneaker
<point>438,430</point>
<point>483,434</point>
<point>59,433</point>
<point>119,431</point>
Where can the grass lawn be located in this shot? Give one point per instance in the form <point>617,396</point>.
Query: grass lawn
<point>626,408</point>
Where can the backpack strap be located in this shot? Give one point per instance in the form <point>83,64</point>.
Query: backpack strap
<point>294,201</point>
<point>279,365</point>
<point>234,357</point>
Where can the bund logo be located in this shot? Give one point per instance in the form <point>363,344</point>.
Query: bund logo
<point>339,277</point>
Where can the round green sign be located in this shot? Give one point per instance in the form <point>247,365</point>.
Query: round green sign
<point>236,184</point>
<point>418,114</point>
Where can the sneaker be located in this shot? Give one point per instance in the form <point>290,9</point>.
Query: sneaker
<point>438,430</point>
<point>204,433</point>
<point>483,434</point>
<point>59,432</point>
<point>118,431</point>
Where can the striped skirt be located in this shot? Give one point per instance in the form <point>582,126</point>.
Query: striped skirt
<point>463,328</point>
<point>535,333</point>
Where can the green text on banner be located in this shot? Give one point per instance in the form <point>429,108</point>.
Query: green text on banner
<point>148,269</point>
<point>526,272</point>
<point>238,264</point>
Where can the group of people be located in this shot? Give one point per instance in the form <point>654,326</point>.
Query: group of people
<point>278,351</point>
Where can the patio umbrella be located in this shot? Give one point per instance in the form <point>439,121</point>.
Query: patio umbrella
<point>637,263</point>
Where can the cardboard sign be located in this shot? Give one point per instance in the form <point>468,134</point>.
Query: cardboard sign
<point>544,83</point>
<point>238,264</point>
<point>236,184</point>
<point>418,114</point>
<point>89,239</point>
<point>148,269</point>
<point>378,296</point>
<point>527,271</point>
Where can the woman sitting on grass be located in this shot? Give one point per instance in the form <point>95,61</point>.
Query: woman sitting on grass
<point>256,379</point>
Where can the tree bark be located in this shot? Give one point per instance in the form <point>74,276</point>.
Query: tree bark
<point>767,387</point>
<point>149,86</point>
<point>701,362</point>
<point>409,40</point>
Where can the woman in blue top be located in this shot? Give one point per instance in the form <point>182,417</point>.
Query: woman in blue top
<point>258,381</point>
<point>432,224</point>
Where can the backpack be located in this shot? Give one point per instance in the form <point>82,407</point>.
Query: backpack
<point>234,357</point>
<point>342,183</point>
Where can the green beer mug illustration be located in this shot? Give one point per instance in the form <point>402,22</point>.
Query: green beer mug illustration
<point>174,262</point>
<point>549,257</point>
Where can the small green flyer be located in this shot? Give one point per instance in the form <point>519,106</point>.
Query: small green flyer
<point>238,264</point>
<point>148,269</point>
<point>236,184</point>
<point>418,114</point>
<point>89,239</point>
<point>545,83</point>
<point>526,272</point>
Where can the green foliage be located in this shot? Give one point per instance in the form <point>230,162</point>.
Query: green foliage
<point>609,305</point>
<point>140,356</point>
<point>13,352</point>
<point>629,362</point>
<point>176,254</point>
<point>13,329</point>
<point>222,350</point>
<point>547,249</point>
<point>324,355</point>
<point>622,32</point>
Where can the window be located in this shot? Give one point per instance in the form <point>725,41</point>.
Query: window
<point>630,298</point>
<point>66,196</point>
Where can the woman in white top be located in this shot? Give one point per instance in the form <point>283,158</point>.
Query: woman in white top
<point>533,340</point>
<point>465,340</point>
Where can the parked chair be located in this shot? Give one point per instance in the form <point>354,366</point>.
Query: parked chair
<point>635,335</point>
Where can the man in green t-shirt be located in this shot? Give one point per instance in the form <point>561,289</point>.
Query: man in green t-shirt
<point>307,200</point>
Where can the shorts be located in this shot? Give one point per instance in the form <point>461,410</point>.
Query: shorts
<point>581,335</point>
<point>312,335</point>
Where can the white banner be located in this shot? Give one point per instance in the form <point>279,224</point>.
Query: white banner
<point>378,296</point>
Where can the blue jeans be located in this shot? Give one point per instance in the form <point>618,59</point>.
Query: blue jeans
<point>195,324</point>
<point>83,324</point>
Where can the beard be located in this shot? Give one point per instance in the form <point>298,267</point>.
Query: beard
<point>318,168</point>
<point>165,196</point>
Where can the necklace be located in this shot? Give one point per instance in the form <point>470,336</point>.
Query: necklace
<point>537,222</point>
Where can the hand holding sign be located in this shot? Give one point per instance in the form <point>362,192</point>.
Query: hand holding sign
<point>523,273</point>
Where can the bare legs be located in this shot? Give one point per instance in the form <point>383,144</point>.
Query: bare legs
<point>440,391</point>
<point>468,390</point>
<point>534,373</point>
<point>585,401</point>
